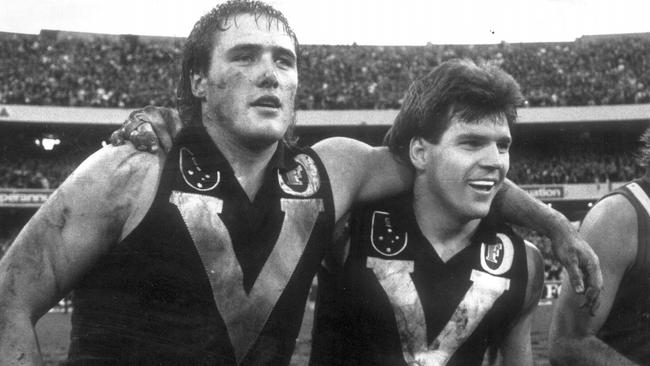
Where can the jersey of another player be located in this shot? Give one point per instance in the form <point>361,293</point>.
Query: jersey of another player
<point>209,277</point>
<point>397,302</point>
<point>627,328</point>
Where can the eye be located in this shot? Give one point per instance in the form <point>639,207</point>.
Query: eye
<point>471,143</point>
<point>244,58</point>
<point>503,147</point>
<point>286,62</point>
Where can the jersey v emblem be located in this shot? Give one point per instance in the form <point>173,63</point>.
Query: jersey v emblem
<point>395,278</point>
<point>245,314</point>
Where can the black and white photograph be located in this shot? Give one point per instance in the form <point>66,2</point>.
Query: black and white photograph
<point>324,183</point>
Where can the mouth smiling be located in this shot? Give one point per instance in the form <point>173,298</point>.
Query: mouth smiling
<point>267,101</point>
<point>482,185</point>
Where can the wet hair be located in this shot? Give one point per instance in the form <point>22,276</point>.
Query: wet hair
<point>201,43</point>
<point>643,155</point>
<point>456,88</point>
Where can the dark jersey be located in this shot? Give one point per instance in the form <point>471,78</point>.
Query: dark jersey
<point>396,301</point>
<point>209,277</point>
<point>627,328</point>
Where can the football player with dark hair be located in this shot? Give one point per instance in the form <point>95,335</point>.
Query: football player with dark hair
<point>428,278</point>
<point>618,228</point>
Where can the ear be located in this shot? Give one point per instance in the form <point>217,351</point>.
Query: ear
<point>199,85</point>
<point>418,152</point>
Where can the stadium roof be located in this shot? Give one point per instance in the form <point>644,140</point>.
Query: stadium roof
<point>316,118</point>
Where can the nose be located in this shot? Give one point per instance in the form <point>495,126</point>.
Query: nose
<point>493,157</point>
<point>268,78</point>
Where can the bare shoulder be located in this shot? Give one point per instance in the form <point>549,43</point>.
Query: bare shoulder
<point>339,144</point>
<point>613,211</point>
<point>336,150</point>
<point>347,162</point>
<point>115,164</point>
<point>114,182</point>
<point>611,228</point>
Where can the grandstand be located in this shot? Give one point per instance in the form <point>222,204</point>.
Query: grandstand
<point>77,69</point>
<point>63,93</point>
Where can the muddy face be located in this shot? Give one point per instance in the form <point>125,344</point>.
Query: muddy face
<point>250,87</point>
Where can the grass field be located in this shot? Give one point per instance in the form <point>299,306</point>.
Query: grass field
<point>54,329</point>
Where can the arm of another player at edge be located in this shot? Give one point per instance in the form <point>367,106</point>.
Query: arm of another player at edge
<point>518,207</point>
<point>359,172</point>
<point>517,348</point>
<point>89,212</point>
<point>572,337</point>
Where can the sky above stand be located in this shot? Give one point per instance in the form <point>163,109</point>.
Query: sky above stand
<point>365,22</point>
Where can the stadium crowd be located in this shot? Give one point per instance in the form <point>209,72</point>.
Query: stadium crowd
<point>561,167</point>
<point>56,69</point>
<point>31,172</point>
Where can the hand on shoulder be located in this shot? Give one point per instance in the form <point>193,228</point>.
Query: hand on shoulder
<point>149,128</point>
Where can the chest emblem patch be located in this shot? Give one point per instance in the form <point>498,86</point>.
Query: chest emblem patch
<point>497,258</point>
<point>194,175</point>
<point>384,238</point>
<point>303,180</point>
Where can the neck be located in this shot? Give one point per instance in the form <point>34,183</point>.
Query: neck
<point>248,161</point>
<point>446,232</point>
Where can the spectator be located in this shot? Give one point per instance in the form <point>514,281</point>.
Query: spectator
<point>101,72</point>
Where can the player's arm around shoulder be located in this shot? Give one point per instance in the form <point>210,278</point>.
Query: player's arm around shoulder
<point>360,172</point>
<point>88,213</point>
<point>516,348</point>
<point>611,229</point>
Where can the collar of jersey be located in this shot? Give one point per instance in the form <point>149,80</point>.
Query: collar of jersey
<point>196,137</point>
<point>484,232</point>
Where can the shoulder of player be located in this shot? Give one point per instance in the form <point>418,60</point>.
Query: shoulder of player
<point>92,205</point>
<point>112,175</point>
<point>615,210</point>
<point>114,165</point>
<point>334,145</point>
<point>346,162</point>
<point>342,154</point>
<point>611,228</point>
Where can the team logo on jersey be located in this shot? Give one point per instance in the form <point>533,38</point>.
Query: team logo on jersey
<point>497,258</point>
<point>303,180</point>
<point>384,238</point>
<point>194,175</point>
